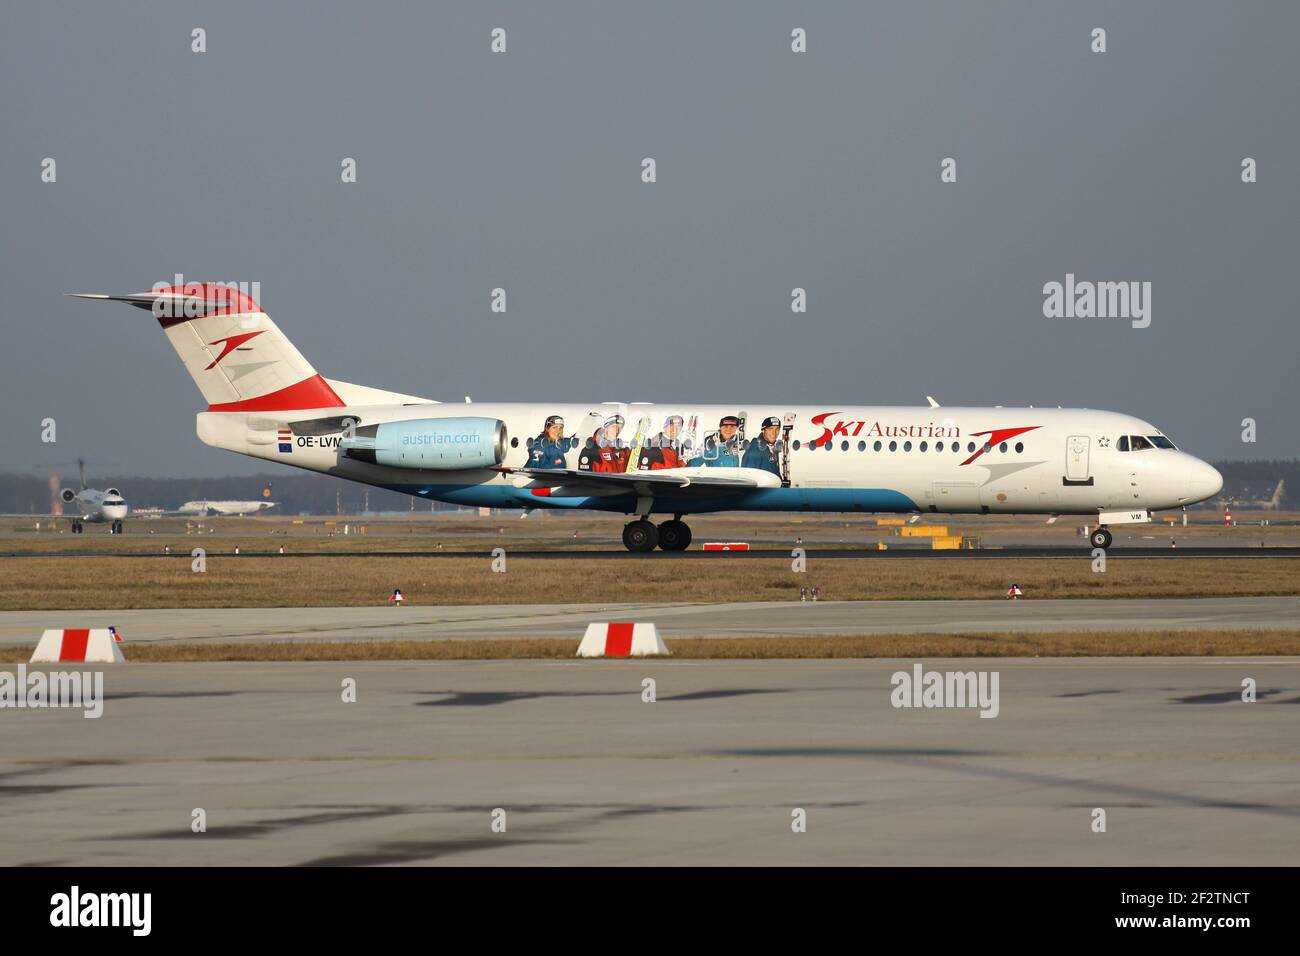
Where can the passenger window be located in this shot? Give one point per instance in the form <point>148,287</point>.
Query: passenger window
<point>796,444</point>
<point>876,446</point>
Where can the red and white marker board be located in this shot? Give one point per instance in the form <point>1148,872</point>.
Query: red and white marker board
<point>726,546</point>
<point>86,645</point>
<point>621,640</point>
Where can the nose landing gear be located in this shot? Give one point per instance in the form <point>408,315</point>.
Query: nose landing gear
<point>1100,538</point>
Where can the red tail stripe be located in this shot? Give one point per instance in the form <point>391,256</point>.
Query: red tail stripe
<point>232,301</point>
<point>312,392</point>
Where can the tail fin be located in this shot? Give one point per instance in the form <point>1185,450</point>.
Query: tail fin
<point>237,356</point>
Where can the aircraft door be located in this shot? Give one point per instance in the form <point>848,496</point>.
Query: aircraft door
<point>1076,458</point>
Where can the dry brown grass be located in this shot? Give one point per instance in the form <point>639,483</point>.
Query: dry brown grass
<point>1066,644</point>
<point>467,531</point>
<point>299,581</point>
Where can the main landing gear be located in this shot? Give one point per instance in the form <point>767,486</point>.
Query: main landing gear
<point>1100,538</point>
<point>76,527</point>
<point>642,535</point>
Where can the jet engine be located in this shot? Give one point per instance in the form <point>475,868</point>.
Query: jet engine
<point>68,495</point>
<point>436,444</point>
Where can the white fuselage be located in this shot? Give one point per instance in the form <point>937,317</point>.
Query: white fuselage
<point>224,507</point>
<point>93,506</point>
<point>841,457</point>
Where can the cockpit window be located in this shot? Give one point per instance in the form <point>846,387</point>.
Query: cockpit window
<point>1122,444</point>
<point>1160,441</point>
<point>1138,443</point>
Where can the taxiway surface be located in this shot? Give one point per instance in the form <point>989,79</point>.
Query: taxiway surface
<point>710,773</point>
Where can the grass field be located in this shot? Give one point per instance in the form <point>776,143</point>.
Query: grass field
<point>51,583</point>
<point>458,531</point>
<point>1064,644</point>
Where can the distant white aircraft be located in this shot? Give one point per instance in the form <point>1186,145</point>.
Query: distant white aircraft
<point>267,401</point>
<point>1272,503</point>
<point>209,508</point>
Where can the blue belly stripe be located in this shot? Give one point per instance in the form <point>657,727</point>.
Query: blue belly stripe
<point>760,499</point>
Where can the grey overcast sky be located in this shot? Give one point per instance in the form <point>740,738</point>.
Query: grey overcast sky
<point>775,170</point>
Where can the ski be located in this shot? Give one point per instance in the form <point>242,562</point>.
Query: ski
<point>688,438</point>
<point>786,429</point>
<point>638,441</point>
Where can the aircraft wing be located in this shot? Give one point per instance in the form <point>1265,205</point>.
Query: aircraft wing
<point>690,481</point>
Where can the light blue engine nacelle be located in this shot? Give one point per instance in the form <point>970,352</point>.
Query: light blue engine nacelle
<point>436,444</point>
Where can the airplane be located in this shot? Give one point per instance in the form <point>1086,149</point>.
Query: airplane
<point>1273,503</point>
<point>210,508</point>
<point>89,505</point>
<point>265,400</point>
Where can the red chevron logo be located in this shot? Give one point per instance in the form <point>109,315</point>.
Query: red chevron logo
<point>232,342</point>
<point>996,437</point>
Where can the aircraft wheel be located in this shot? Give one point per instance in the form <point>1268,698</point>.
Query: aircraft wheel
<point>1101,539</point>
<point>674,535</point>
<point>640,536</point>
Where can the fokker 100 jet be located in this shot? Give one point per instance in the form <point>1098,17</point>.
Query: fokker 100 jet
<point>264,399</point>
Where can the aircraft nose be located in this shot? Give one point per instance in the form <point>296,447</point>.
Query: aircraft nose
<point>1203,481</point>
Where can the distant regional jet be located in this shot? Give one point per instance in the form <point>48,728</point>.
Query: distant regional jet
<point>267,401</point>
<point>89,505</point>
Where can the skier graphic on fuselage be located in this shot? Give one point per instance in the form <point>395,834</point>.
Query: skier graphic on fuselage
<point>721,450</point>
<point>604,451</point>
<point>664,450</point>
<point>764,452</point>
<point>549,448</point>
